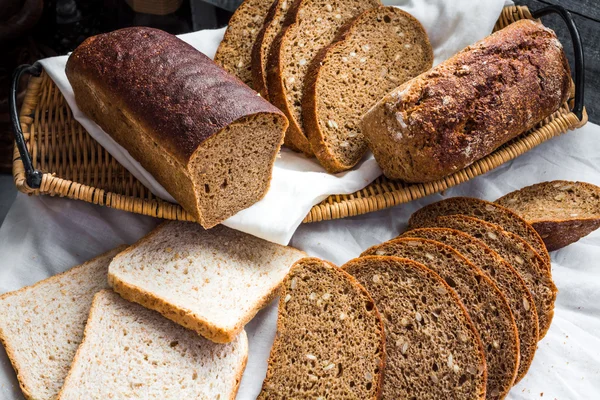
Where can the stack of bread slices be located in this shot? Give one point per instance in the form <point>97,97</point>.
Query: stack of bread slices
<point>324,63</point>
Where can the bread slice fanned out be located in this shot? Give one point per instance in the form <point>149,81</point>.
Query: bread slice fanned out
<point>486,211</point>
<point>433,350</point>
<point>518,253</point>
<point>562,212</point>
<point>235,51</point>
<point>212,281</point>
<point>378,51</point>
<point>132,352</point>
<point>314,25</point>
<point>486,305</point>
<point>42,325</point>
<point>330,339</point>
<point>504,276</point>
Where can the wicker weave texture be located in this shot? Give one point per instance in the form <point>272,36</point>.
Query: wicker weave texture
<point>75,166</point>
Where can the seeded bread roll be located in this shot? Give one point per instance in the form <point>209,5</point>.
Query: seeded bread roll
<point>471,104</point>
<point>379,50</point>
<point>562,212</point>
<point>314,25</point>
<point>518,253</point>
<point>504,276</point>
<point>207,138</point>
<point>433,350</point>
<point>486,305</point>
<point>235,51</point>
<point>484,210</point>
<point>330,339</point>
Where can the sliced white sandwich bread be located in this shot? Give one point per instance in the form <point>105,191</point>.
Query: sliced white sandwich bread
<point>131,352</point>
<point>211,281</point>
<point>42,325</point>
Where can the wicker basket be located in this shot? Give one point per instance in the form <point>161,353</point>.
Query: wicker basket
<point>65,161</point>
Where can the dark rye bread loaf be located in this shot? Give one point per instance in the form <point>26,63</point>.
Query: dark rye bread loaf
<point>314,24</point>
<point>484,210</point>
<point>433,349</point>
<point>273,25</point>
<point>205,136</point>
<point>379,50</point>
<point>514,250</point>
<point>562,212</point>
<point>330,339</point>
<point>486,305</point>
<point>235,51</point>
<point>504,276</point>
<point>468,106</point>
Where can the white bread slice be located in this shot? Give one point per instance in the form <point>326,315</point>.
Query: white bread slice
<point>42,325</point>
<point>213,282</point>
<point>131,352</point>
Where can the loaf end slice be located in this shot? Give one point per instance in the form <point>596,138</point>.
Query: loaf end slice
<point>235,51</point>
<point>136,353</point>
<point>379,50</point>
<point>212,282</point>
<point>330,339</point>
<point>484,210</point>
<point>432,347</point>
<point>562,212</point>
<point>42,325</point>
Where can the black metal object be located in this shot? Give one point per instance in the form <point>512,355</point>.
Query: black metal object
<point>577,50</point>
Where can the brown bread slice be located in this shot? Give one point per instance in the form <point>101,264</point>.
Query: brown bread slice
<point>486,211</point>
<point>486,305</point>
<point>314,25</point>
<point>562,212</point>
<point>504,276</point>
<point>330,339</point>
<point>381,49</point>
<point>235,51</point>
<point>433,349</point>
<point>274,24</point>
<point>514,250</point>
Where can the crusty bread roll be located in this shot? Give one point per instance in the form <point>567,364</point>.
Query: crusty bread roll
<point>203,134</point>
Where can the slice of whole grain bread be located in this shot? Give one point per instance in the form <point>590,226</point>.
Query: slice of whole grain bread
<point>42,325</point>
<point>212,281</point>
<point>235,51</point>
<point>562,212</point>
<point>131,352</point>
<point>381,49</point>
<point>486,211</point>
<point>330,339</point>
<point>486,305</point>
<point>504,276</point>
<point>433,349</point>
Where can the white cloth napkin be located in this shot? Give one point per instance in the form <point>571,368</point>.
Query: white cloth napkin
<point>299,183</point>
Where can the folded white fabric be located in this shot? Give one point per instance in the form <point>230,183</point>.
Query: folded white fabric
<point>299,183</point>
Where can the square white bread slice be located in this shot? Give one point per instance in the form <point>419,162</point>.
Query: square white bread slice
<point>130,352</point>
<point>211,281</point>
<point>42,325</point>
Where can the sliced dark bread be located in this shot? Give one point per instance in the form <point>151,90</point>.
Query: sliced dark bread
<point>562,212</point>
<point>486,305</point>
<point>381,49</point>
<point>486,211</point>
<point>314,25</point>
<point>518,253</point>
<point>504,276</point>
<point>330,339</point>
<point>433,349</point>
<point>235,51</point>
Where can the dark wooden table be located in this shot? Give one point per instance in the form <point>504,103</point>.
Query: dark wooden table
<point>586,14</point>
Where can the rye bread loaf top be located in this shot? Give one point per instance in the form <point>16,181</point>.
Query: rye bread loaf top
<point>469,105</point>
<point>181,94</point>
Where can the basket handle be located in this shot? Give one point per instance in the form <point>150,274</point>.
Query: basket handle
<point>33,177</point>
<point>577,49</point>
